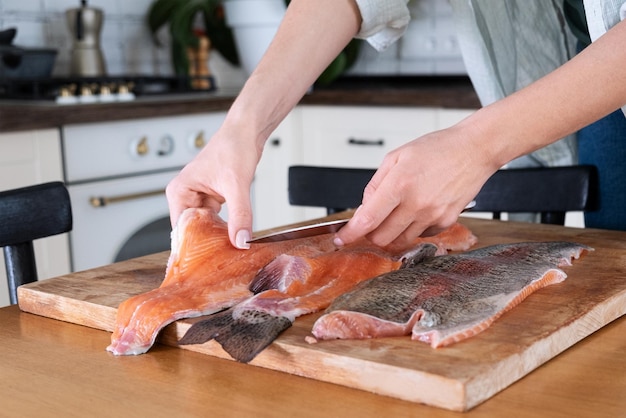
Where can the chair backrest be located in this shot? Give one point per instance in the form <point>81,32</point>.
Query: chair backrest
<point>27,214</point>
<point>551,191</point>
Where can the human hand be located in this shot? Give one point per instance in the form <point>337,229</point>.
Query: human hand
<point>221,173</point>
<point>419,190</point>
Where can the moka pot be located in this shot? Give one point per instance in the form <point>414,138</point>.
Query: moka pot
<point>85,24</point>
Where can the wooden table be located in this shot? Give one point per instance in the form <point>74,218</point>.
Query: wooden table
<point>54,368</point>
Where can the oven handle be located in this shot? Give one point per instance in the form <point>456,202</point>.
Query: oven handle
<point>101,201</point>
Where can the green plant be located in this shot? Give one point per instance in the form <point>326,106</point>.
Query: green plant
<point>181,15</point>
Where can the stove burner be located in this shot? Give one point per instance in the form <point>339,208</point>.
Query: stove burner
<point>106,88</point>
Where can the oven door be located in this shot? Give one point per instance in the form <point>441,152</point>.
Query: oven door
<point>119,219</point>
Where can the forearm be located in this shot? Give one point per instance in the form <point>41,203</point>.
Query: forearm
<point>580,92</point>
<point>299,52</point>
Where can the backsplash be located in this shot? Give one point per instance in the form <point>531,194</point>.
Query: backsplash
<point>428,48</point>
<point>125,40</point>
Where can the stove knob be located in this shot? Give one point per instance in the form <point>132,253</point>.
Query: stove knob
<point>105,94</point>
<point>66,95</point>
<point>140,147</point>
<point>197,141</point>
<point>86,95</point>
<point>166,146</point>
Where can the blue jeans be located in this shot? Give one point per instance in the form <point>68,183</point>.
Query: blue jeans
<point>603,144</point>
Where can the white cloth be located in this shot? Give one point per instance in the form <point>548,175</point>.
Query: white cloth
<point>500,56</point>
<point>383,22</point>
<point>602,15</point>
<point>506,46</point>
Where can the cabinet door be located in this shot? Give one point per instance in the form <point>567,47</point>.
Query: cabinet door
<point>270,199</point>
<point>360,136</point>
<point>28,158</point>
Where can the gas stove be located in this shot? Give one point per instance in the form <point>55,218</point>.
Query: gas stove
<point>77,90</point>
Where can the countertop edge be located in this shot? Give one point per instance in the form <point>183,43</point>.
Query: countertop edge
<point>22,116</point>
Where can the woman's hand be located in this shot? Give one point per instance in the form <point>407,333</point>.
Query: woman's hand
<point>420,189</point>
<point>221,172</point>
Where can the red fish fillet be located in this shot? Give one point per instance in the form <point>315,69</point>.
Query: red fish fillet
<point>291,286</point>
<point>204,274</point>
<point>443,300</point>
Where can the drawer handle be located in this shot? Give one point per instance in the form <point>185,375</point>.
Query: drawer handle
<point>101,201</point>
<point>375,142</point>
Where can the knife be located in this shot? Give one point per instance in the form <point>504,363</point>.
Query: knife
<point>306,231</point>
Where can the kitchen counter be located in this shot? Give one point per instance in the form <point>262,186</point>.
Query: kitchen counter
<point>58,367</point>
<point>446,92</point>
<point>53,368</point>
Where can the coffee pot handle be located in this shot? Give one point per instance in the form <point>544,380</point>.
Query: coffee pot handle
<point>80,31</point>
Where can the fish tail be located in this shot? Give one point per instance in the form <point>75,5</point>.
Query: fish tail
<point>207,329</point>
<point>243,334</point>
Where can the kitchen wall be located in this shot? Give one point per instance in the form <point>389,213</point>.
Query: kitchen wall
<point>126,41</point>
<point>428,48</point>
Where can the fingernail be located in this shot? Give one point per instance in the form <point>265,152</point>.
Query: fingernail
<point>241,239</point>
<point>338,242</point>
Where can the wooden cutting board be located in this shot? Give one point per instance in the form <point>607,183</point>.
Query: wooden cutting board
<point>456,377</point>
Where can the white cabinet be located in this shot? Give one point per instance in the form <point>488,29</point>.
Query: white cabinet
<point>270,200</point>
<point>360,137</point>
<point>28,158</point>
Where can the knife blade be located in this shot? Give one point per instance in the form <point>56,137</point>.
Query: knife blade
<point>306,231</point>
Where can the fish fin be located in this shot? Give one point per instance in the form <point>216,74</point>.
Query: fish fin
<point>418,254</point>
<point>243,337</point>
<point>207,329</point>
<point>279,273</point>
<point>250,333</point>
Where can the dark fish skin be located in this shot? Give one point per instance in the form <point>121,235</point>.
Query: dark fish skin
<point>243,337</point>
<point>449,295</point>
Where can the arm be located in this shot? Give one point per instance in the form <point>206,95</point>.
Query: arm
<point>422,186</point>
<point>310,36</point>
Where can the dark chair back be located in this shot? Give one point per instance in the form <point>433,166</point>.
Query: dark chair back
<point>27,214</point>
<point>551,191</point>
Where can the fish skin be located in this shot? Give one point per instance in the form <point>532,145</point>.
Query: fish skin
<point>204,274</point>
<point>242,334</point>
<point>291,286</point>
<point>425,299</point>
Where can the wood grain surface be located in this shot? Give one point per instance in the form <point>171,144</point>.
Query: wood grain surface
<point>456,377</point>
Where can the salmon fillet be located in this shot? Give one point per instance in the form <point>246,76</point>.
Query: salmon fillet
<point>444,300</point>
<point>204,274</point>
<point>291,286</point>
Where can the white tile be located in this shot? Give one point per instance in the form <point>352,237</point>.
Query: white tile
<point>29,33</point>
<point>108,7</point>
<point>135,7</point>
<point>32,6</point>
<point>59,6</point>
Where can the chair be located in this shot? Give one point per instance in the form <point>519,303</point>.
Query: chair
<point>30,213</point>
<point>551,191</point>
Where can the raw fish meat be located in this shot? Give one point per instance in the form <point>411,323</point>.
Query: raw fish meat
<point>443,300</point>
<point>291,286</point>
<point>204,274</point>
